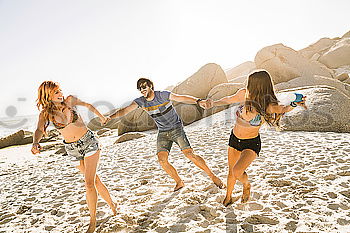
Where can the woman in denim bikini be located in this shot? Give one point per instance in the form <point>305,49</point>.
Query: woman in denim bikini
<point>80,142</point>
<point>259,105</point>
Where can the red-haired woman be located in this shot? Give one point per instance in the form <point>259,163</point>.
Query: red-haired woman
<point>80,142</point>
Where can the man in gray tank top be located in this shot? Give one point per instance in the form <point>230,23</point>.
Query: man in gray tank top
<point>170,128</point>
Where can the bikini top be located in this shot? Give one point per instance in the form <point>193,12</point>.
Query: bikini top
<point>74,117</point>
<point>256,121</point>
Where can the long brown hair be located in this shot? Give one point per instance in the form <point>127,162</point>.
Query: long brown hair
<point>44,103</point>
<point>261,95</point>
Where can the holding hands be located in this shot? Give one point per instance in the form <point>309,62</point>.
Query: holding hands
<point>104,120</point>
<point>206,104</point>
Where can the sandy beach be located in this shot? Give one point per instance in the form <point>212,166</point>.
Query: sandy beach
<point>300,183</point>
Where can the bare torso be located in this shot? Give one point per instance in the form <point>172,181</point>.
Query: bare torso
<point>72,131</point>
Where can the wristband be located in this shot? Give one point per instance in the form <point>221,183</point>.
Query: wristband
<point>198,100</point>
<point>293,104</point>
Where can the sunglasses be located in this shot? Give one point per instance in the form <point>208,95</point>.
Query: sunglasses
<point>142,87</point>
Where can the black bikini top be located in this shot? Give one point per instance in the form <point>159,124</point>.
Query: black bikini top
<point>74,117</point>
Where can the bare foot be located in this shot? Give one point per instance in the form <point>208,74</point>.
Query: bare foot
<point>218,182</point>
<point>92,227</point>
<point>114,208</point>
<point>246,193</point>
<point>227,201</point>
<point>179,186</point>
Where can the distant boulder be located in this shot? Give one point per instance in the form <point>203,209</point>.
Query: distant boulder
<point>284,64</point>
<point>135,121</point>
<point>338,55</point>
<point>346,35</point>
<point>13,139</point>
<point>201,82</point>
<point>189,113</point>
<point>342,77</point>
<point>21,138</point>
<point>95,123</point>
<point>317,48</point>
<point>240,79</point>
<point>316,80</point>
<point>240,70</point>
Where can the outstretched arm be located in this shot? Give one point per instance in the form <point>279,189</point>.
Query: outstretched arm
<point>187,99</point>
<point>280,109</point>
<point>123,111</point>
<point>74,101</point>
<point>236,98</point>
<point>38,134</point>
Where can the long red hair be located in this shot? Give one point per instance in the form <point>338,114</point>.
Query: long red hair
<point>44,100</point>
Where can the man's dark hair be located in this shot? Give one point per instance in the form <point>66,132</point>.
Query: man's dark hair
<point>145,80</point>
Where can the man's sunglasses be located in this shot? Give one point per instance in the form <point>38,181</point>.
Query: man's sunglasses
<point>141,87</point>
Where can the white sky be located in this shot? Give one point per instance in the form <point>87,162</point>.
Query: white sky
<point>98,49</point>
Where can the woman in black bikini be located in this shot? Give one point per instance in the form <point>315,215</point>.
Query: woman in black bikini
<point>259,105</point>
<point>80,142</point>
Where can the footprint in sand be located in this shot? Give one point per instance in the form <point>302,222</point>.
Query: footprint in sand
<point>251,206</point>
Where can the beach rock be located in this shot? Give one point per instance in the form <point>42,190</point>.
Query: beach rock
<point>318,48</point>
<point>137,120</point>
<point>200,83</point>
<point>219,91</point>
<point>342,77</point>
<point>338,55</point>
<point>284,64</point>
<point>240,70</point>
<point>189,112</point>
<point>13,139</point>
<point>95,124</point>
<point>129,136</point>
<point>346,35</point>
<point>328,110</point>
<point>314,80</point>
<point>169,88</point>
<point>240,79</point>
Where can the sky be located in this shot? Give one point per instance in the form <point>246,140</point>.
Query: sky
<point>97,50</point>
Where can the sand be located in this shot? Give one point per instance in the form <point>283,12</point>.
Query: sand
<point>300,183</point>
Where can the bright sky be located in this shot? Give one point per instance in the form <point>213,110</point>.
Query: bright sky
<point>98,49</point>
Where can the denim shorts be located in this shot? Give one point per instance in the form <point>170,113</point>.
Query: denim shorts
<point>165,139</point>
<point>86,146</point>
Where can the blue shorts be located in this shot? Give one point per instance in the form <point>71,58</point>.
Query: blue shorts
<point>165,139</point>
<point>86,146</point>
